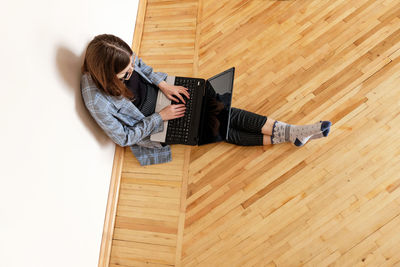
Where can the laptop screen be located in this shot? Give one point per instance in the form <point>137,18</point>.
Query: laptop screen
<point>216,108</point>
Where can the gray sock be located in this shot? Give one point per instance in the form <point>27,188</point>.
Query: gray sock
<point>321,134</point>
<point>316,136</point>
<point>298,135</point>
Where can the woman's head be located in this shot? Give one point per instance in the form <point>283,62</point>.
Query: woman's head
<point>108,59</point>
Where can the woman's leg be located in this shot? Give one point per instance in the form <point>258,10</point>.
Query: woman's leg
<point>246,121</point>
<point>243,138</point>
<point>267,140</point>
<point>246,128</point>
<point>268,126</point>
<point>276,131</point>
<point>265,130</point>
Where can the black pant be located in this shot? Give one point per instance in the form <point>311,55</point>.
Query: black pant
<point>245,128</point>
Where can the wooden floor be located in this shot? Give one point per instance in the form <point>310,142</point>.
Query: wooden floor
<point>333,202</point>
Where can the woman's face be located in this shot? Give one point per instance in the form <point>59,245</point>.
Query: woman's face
<point>126,73</point>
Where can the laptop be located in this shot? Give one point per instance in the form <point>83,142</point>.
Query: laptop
<point>207,113</point>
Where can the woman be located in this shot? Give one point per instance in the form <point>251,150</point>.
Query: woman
<point>120,93</point>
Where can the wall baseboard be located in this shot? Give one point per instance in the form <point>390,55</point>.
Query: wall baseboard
<point>111,210</point>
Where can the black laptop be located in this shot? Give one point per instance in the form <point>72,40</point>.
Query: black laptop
<point>207,113</point>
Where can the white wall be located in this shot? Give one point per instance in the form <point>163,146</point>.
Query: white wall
<point>55,164</point>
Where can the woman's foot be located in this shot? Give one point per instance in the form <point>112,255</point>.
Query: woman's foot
<point>298,135</point>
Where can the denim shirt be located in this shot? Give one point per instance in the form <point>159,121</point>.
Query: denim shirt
<point>123,122</point>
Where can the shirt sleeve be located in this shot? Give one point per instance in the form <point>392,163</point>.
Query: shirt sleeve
<point>154,77</point>
<point>129,135</point>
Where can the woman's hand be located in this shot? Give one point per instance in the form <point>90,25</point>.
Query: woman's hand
<point>174,90</point>
<point>172,112</point>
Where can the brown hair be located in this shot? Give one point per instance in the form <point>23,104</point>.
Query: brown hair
<point>106,55</point>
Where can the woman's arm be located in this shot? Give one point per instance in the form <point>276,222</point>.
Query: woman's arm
<point>172,92</point>
<point>129,135</point>
<point>102,112</point>
<point>155,77</point>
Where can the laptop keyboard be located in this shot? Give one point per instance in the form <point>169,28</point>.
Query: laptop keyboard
<point>178,129</point>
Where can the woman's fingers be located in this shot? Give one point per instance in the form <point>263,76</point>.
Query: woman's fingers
<point>185,91</point>
<point>180,97</point>
<point>180,110</point>
<point>179,115</point>
<point>179,106</point>
<point>174,98</point>
<point>183,107</point>
<point>181,90</point>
